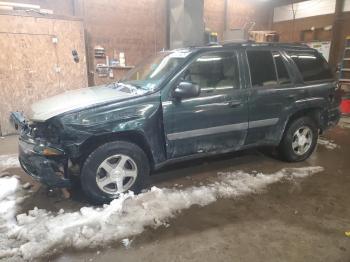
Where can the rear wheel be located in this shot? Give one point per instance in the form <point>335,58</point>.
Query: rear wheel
<point>299,141</point>
<point>112,169</point>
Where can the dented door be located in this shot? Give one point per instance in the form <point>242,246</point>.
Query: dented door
<point>217,119</point>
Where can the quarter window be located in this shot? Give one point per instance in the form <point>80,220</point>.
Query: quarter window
<point>311,65</point>
<point>262,68</point>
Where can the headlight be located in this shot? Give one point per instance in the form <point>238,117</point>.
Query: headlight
<point>99,116</point>
<point>48,151</point>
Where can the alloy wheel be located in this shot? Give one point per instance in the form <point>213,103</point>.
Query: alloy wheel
<point>302,140</point>
<point>116,174</point>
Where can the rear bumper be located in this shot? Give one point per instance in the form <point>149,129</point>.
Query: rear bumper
<point>49,171</point>
<point>332,118</point>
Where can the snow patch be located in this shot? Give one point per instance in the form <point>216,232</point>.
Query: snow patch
<point>8,161</point>
<point>8,188</point>
<point>329,144</point>
<point>41,232</point>
<point>126,242</point>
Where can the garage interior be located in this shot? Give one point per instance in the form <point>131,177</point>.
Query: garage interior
<point>49,47</point>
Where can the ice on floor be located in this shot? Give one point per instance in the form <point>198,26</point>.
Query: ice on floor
<point>8,161</point>
<point>326,143</point>
<point>8,188</point>
<point>126,242</point>
<point>344,122</point>
<point>41,232</point>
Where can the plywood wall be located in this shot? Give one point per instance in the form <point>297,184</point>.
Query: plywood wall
<point>290,31</point>
<point>59,7</point>
<point>32,67</point>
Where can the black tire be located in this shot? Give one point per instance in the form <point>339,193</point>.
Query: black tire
<point>92,163</point>
<point>286,149</point>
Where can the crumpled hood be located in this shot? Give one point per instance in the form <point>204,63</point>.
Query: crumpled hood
<point>75,99</point>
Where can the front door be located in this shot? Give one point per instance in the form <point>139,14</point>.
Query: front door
<point>217,119</point>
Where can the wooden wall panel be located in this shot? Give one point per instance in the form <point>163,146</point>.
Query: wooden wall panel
<point>32,67</point>
<point>290,31</point>
<point>59,7</point>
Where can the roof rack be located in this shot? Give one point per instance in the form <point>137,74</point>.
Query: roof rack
<point>213,44</point>
<point>253,43</point>
<point>237,42</point>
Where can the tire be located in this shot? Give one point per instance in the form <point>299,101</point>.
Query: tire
<point>111,155</point>
<point>290,149</point>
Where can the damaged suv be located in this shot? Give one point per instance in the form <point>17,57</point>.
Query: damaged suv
<point>179,105</point>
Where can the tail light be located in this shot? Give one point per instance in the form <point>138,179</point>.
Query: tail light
<point>339,92</point>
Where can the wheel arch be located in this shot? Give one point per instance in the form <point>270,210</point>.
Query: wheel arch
<point>315,113</point>
<point>132,136</point>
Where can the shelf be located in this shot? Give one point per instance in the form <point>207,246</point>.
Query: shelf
<point>122,67</point>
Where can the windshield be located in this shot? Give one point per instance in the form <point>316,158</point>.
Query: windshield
<point>149,74</point>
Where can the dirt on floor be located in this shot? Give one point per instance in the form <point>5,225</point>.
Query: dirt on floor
<point>303,220</point>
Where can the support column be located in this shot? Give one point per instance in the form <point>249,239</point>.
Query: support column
<point>186,23</point>
<point>337,43</point>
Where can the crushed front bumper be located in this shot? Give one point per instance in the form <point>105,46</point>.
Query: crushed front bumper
<point>51,171</point>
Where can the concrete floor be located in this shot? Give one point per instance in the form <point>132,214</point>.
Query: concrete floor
<point>303,221</point>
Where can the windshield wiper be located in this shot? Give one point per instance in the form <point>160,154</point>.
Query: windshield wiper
<point>121,84</point>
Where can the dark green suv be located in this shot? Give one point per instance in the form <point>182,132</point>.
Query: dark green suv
<point>178,105</point>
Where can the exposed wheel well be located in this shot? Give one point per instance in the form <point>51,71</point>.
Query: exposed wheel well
<point>130,136</point>
<point>313,113</point>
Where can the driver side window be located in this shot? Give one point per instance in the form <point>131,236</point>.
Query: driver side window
<point>214,72</point>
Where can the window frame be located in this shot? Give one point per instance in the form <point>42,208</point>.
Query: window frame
<point>235,54</point>
<point>286,64</point>
<point>249,71</point>
<point>298,72</point>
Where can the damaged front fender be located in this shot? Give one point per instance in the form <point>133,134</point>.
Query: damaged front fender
<point>139,120</point>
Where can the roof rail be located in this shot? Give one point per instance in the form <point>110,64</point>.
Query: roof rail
<point>237,42</point>
<point>234,43</point>
<point>213,44</point>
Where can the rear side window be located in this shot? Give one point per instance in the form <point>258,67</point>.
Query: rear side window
<point>282,72</point>
<point>262,68</point>
<point>312,65</point>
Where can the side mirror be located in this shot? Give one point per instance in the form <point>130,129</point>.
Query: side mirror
<point>187,90</point>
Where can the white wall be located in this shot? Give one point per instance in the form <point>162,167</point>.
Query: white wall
<point>346,6</point>
<point>306,9</point>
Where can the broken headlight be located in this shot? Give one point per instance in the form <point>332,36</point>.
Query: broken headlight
<point>48,150</point>
<point>94,116</point>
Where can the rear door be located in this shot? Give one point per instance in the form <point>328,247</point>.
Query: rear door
<point>272,94</point>
<point>316,78</point>
<point>217,119</point>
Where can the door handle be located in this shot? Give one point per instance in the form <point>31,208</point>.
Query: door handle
<point>234,103</point>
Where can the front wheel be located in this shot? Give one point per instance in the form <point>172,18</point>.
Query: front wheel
<point>299,140</point>
<point>112,169</point>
